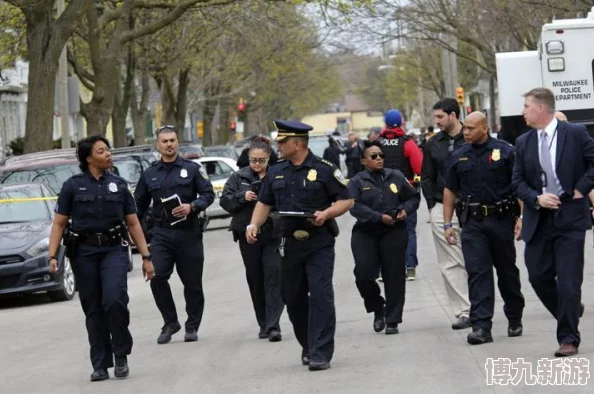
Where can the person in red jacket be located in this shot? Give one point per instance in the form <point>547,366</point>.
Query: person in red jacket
<point>403,154</point>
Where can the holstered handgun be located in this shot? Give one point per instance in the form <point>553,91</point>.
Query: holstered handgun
<point>201,221</point>
<point>69,240</point>
<point>464,209</point>
<point>333,227</point>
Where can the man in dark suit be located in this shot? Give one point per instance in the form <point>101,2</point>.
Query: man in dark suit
<point>554,171</point>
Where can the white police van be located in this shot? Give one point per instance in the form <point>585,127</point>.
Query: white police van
<point>564,63</point>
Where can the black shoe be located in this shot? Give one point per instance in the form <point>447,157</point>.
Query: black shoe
<point>479,337</point>
<point>391,329</point>
<point>514,330</point>
<point>318,365</point>
<point>304,357</point>
<point>167,331</point>
<point>121,369</point>
<point>462,323</point>
<point>99,375</point>
<point>191,336</point>
<point>275,336</point>
<point>379,321</point>
<point>262,334</point>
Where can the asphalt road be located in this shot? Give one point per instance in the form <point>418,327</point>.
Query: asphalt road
<point>44,349</point>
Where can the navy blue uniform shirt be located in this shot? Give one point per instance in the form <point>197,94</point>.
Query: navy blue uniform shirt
<point>384,192</point>
<point>95,205</point>
<point>312,186</point>
<point>482,171</point>
<point>161,180</point>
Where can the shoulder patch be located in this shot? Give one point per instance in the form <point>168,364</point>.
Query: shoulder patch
<point>339,177</point>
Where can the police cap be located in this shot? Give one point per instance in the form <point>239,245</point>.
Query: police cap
<point>291,128</point>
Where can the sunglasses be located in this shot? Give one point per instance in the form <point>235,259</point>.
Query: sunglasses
<point>258,160</point>
<point>451,147</point>
<point>166,127</point>
<point>374,156</point>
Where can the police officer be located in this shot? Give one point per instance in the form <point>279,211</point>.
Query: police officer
<point>261,260</point>
<point>480,173</point>
<point>403,154</point>
<point>98,203</point>
<point>176,238</point>
<point>305,184</point>
<point>383,200</point>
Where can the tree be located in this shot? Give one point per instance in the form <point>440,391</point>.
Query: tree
<point>46,37</point>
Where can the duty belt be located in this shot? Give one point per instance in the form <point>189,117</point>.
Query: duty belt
<point>102,239</point>
<point>479,211</point>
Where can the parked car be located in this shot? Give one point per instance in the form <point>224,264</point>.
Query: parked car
<point>190,150</point>
<point>220,151</point>
<point>219,169</point>
<point>26,216</point>
<point>318,144</point>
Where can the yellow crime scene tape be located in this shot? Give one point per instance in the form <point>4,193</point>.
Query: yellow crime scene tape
<point>9,200</point>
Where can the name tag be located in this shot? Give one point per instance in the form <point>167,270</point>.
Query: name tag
<point>463,159</point>
<point>366,188</point>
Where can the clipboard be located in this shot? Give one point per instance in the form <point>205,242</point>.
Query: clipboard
<point>169,204</point>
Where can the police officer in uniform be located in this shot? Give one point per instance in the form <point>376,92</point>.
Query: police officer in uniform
<point>98,203</point>
<point>261,260</point>
<point>176,238</point>
<point>305,183</point>
<point>480,174</point>
<point>383,200</point>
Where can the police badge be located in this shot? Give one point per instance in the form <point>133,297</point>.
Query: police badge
<point>183,173</point>
<point>113,187</point>
<point>312,175</point>
<point>496,155</point>
<point>393,188</point>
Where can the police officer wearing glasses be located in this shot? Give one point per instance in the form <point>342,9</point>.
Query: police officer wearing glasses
<point>261,260</point>
<point>480,174</point>
<point>309,193</point>
<point>383,200</point>
<point>100,206</point>
<point>176,238</point>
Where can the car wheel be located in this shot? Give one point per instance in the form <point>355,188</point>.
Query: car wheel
<point>68,284</point>
<point>130,264</point>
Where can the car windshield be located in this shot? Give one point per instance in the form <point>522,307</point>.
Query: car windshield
<point>16,206</point>
<point>52,176</point>
<point>128,168</point>
<point>220,152</point>
<point>318,145</point>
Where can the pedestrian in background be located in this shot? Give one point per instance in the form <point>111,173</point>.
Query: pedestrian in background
<point>243,160</point>
<point>436,158</point>
<point>176,238</point>
<point>261,260</point>
<point>383,200</point>
<point>102,211</point>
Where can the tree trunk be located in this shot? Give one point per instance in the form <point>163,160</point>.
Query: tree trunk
<point>207,118</point>
<point>223,129</point>
<point>139,111</point>
<point>182,101</point>
<point>40,101</point>
<point>122,104</point>
<point>492,100</point>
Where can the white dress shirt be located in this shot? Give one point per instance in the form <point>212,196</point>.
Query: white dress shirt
<point>551,132</point>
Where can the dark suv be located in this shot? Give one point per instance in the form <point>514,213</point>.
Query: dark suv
<point>26,215</point>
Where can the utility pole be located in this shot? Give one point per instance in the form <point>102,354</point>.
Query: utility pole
<point>63,90</point>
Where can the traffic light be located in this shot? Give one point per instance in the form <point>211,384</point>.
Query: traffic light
<point>468,110</point>
<point>460,95</point>
<point>233,127</point>
<point>241,109</point>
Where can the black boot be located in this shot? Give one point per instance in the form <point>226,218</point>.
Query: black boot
<point>121,369</point>
<point>99,375</point>
<point>479,336</point>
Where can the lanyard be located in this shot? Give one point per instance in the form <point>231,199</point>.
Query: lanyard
<point>553,139</point>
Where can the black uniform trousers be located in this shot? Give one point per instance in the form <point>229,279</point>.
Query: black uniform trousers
<point>183,249</point>
<point>486,244</point>
<point>262,271</point>
<point>385,251</point>
<point>308,267</point>
<point>101,274</point>
<point>555,262</point>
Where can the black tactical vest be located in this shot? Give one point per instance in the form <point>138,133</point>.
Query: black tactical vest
<point>395,159</point>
